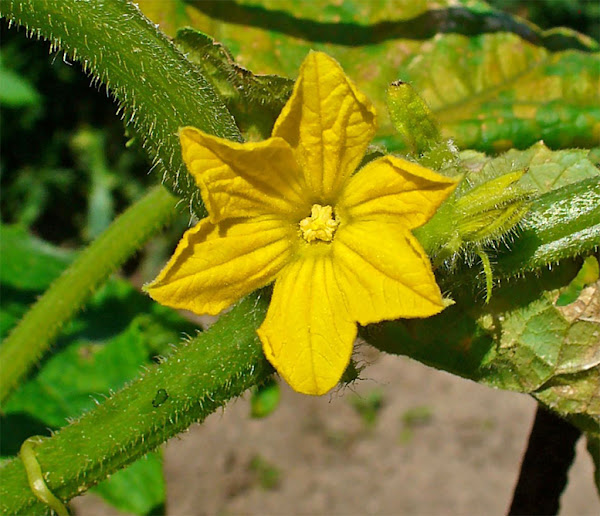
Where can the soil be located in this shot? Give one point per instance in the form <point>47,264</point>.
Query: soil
<point>437,445</point>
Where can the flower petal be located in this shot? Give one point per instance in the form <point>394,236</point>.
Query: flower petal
<point>384,273</point>
<point>395,190</point>
<point>328,123</point>
<point>308,334</point>
<point>215,265</point>
<point>243,179</point>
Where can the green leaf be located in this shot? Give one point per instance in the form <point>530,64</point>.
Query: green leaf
<point>546,169</point>
<point>89,147</point>
<point>98,353</point>
<point>16,90</point>
<point>90,365</point>
<point>521,341</point>
<point>170,16</point>
<point>139,488</point>
<point>199,377</point>
<point>537,341</point>
<point>528,208</point>
<point>31,338</point>
<point>158,90</point>
<point>580,14</point>
<point>378,42</point>
<point>353,22</point>
<point>27,262</point>
<point>497,91</point>
<point>254,100</point>
<point>588,273</point>
<point>265,399</point>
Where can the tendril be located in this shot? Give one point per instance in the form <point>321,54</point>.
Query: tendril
<point>487,270</point>
<point>36,478</point>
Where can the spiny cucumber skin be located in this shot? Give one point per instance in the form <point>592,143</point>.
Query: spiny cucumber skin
<point>157,88</point>
<point>201,376</point>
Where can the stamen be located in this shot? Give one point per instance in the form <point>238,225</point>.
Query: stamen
<point>321,224</point>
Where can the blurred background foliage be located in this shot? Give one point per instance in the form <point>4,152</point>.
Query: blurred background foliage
<point>67,165</point>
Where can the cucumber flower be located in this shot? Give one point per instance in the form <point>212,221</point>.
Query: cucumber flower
<point>288,209</point>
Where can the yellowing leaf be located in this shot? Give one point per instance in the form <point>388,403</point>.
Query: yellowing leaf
<point>509,84</point>
<point>497,91</point>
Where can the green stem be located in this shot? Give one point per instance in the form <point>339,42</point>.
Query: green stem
<point>158,89</point>
<point>560,224</point>
<point>557,225</point>
<point>201,376</point>
<point>32,337</point>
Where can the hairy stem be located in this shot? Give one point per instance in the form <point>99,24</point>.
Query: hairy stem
<point>158,89</point>
<point>34,334</point>
<point>560,224</point>
<point>201,376</point>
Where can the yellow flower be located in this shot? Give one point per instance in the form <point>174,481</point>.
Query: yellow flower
<point>339,246</point>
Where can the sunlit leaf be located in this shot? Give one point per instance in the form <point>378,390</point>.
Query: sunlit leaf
<point>522,340</point>
<point>545,169</point>
<point>491,90</point>
<point>497,91</point>
<point>586,276</point>
<point>559,191</point>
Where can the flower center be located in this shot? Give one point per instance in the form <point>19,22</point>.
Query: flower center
<point>321,224</point>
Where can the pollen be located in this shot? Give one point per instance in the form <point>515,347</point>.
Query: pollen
<point>321,224</point>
